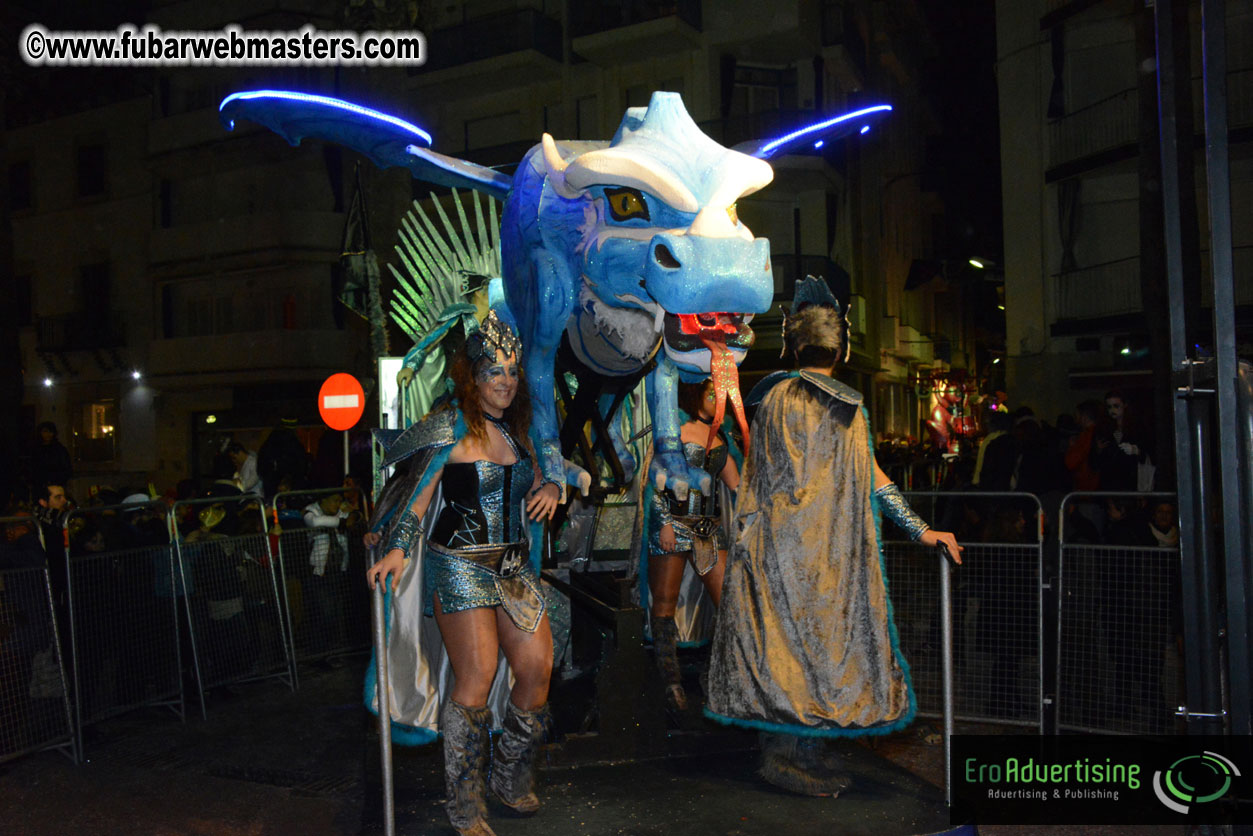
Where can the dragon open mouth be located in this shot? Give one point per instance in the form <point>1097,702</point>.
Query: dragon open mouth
<point>714,342</point>
<point>691,332</point>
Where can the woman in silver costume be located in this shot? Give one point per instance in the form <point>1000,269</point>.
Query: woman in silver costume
<point>479,584</point>
<point>687,531</point>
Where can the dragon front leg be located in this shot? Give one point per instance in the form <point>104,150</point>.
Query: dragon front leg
<point>548,311</point>
<point>669,467</point>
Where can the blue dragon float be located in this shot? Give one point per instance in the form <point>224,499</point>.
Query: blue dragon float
<point>621,259</point>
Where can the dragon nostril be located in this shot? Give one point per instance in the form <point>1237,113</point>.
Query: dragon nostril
<point>666,258</point>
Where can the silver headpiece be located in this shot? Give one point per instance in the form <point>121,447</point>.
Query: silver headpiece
<point>493,335</point>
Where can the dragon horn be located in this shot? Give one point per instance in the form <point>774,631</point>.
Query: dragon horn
<point>556,167</point>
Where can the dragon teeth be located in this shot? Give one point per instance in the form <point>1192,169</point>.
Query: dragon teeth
<point>659,320</point>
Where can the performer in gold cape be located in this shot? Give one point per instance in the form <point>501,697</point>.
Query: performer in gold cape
<point>805,647</point>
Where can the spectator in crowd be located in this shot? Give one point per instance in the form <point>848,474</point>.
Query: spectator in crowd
<point>21,548</point>
<point>282,455</point>
<point>1079,452</point>
<point>49,460</point>
<point>1163,526</point>
<point>998,454</point>
<point>1123,524</point>
<point>328,561</point>
<point>245,461</point>
<point>1121,452</point>
<point>214,555</point>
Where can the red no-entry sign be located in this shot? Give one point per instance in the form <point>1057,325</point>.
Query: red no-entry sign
<point>341,401</point>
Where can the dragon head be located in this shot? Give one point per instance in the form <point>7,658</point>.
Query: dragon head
<point>661,250</point>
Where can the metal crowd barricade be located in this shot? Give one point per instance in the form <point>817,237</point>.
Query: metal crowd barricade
<point>997,606</point>
<point>123,620</point>
<point>1118,661</point>
<point>321,568</point>
<point>35,710</point>
<point>229,589</point>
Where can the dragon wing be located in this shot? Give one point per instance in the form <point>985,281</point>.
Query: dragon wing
<point>824,130</point>
<point>387,140</point>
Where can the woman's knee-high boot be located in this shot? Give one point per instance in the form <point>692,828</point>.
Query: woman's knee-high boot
<point>467,745</point>
<point>513,769</point>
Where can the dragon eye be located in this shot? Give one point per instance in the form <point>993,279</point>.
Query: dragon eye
<point>735,218</point>
<point>625,204</point>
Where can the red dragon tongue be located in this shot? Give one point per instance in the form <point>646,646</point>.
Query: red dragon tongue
<point>726,380</point>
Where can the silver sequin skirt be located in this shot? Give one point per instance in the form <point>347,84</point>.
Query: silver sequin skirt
<point>463,585</point>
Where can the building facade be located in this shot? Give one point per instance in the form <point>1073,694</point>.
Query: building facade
<point>1083,230</point>
<point>194,300</point>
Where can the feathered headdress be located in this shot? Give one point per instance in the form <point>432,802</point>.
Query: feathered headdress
<point>826,326</point>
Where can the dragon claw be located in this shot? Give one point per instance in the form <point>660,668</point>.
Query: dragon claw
<point>670,470</point>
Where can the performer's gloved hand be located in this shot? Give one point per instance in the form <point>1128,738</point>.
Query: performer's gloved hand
<point>931,537</point>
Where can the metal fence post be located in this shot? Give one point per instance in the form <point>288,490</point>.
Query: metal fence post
<point>946,666</point>
<point>377,612</point>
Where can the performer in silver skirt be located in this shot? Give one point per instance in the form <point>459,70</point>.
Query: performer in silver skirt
<point>687,532</point>
<point>476,576</point>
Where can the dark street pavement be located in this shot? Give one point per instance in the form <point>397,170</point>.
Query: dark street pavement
<point>269,761</point>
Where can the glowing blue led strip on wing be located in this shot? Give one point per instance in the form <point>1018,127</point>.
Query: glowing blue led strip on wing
<point>819,127</point>
<point>328,101</point>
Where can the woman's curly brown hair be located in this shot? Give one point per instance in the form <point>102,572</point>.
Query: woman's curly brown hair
<point>466,391</point>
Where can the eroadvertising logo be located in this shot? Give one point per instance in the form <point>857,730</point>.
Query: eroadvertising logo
<point>1095,779</point>
<point>1210,775</point>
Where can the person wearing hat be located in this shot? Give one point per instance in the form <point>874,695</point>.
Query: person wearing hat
<point>805,647</point>
<point>470,463</point>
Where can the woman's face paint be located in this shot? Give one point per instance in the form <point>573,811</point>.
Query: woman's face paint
<point>497,382</point>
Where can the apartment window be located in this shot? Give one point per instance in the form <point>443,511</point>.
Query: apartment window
<point>21,192</point>
<point>92,170</point>
<point>761,89</point>
<point>95,433</point>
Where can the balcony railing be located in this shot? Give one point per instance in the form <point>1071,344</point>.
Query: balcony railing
<point>1113,288</point>
<point>602,15</point>
<point>83,331</point>
<point>1101,126</point>
<point>1106,289</point>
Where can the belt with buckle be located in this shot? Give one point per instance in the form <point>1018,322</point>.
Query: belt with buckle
<point>504,559</point>
<point>700,526</point>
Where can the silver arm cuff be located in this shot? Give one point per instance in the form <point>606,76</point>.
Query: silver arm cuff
<point>896,509</point>
<point>403,532</point>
